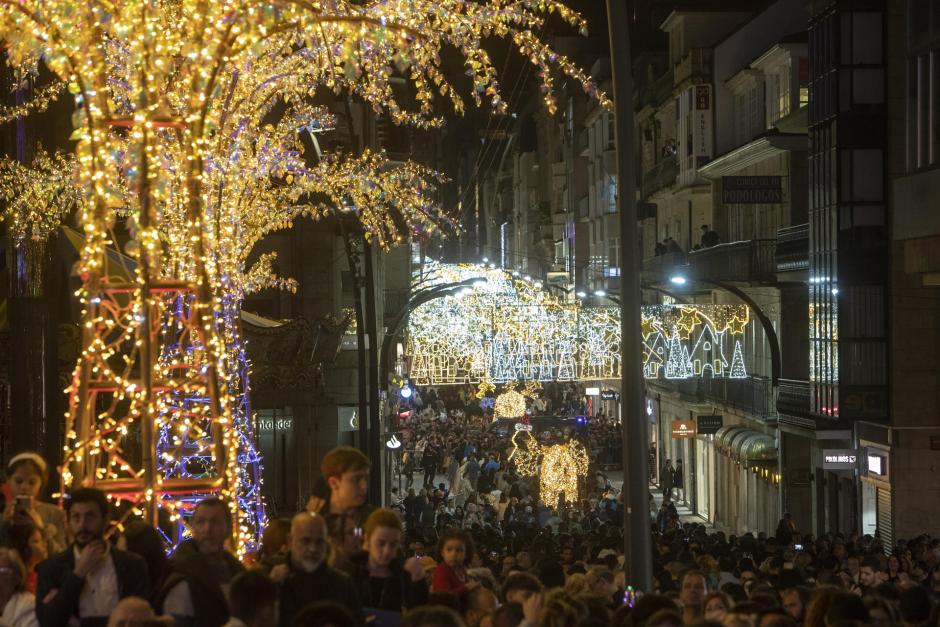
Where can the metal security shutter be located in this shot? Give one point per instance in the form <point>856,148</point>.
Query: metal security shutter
<point>884,519</point>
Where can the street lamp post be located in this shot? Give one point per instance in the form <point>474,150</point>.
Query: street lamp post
<point>776,362</point>
<point>382,383</point>
<point>638,566</point>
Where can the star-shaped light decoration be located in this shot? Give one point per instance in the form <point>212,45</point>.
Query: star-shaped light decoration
<point>736,325</point>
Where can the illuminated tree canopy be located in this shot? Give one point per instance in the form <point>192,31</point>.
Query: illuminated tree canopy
<point>188,117</point>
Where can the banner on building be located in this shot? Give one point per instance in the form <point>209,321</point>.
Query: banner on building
<point>751,190</point>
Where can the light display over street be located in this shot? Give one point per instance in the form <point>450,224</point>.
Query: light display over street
<point>509,329</point>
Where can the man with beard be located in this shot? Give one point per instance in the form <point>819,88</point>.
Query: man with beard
<point>85,582</point>
<point>196,589</point>
<point>306,577</point>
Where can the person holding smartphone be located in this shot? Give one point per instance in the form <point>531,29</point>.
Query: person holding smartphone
<point>27,473</point>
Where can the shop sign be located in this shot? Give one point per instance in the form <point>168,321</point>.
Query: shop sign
<point>592,391</point>
<point>275,424</point>
<point>682,429</point>
<point>610,395</point>
<point>754,190</point>
<point>709,425</point>
<point>840,459</point>
<point>702,121</point>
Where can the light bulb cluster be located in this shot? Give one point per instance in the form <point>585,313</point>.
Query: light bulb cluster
<point>189,123</point>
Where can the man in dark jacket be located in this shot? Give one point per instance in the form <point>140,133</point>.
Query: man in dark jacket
<point>405,587</point>
<point>196,589</point>
<point>306,577</point>
<point>86,581</point>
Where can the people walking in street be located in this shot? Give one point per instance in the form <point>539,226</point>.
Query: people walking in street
<point>666,478</point>
<point>678,480</point>
<point>786,528</point>
<point>429,462</point>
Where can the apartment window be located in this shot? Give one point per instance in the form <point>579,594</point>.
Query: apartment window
<point>923,83</point>
<point>749,111</point>
<point>924,108</point>
<point>804,81</point>
<point>613,253</point>
<point>611,195</point>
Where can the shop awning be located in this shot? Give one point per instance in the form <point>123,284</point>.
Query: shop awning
<point>751,447</point>
<point>724,436</point>
<point>759,449</point>
<point>737,441</point>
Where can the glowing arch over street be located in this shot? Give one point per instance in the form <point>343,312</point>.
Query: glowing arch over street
<point>506,328</point>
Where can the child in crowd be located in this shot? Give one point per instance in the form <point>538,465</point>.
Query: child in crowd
<point>456,549</point>
<point>27,472</point>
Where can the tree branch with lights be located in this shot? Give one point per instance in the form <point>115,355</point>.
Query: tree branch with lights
<point>178,134</point>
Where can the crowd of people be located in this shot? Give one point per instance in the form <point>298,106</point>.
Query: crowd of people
<point>517,562</point>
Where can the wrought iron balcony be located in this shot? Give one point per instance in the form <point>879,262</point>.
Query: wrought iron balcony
<point>793,248</point>
<point>697,64</point>
<point>660,176</point>
<point>663,266</point>
<point>751,395</point>
<point>793,398</point>
<point>656,92</point>
<point>750,261</point>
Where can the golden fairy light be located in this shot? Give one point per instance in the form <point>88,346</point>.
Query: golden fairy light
<point>177,134</point>
<point>509,404</point>
<point>562,466</point>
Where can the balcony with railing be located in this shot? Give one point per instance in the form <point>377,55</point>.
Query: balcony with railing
<point>656,92</point>
<point>660,176</point>
<point>661,267</point>
<point>793,398</point>
<point>694,66</point>
<point>793,248</point>
<point>752,394</point>
<point>750,261</point>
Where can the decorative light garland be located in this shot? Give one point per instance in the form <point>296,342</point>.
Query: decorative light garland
<point>174,136</point>
<point>507,330</point>
<point>562,466</point>
<point>38,197</point>
<point>509,404</point>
